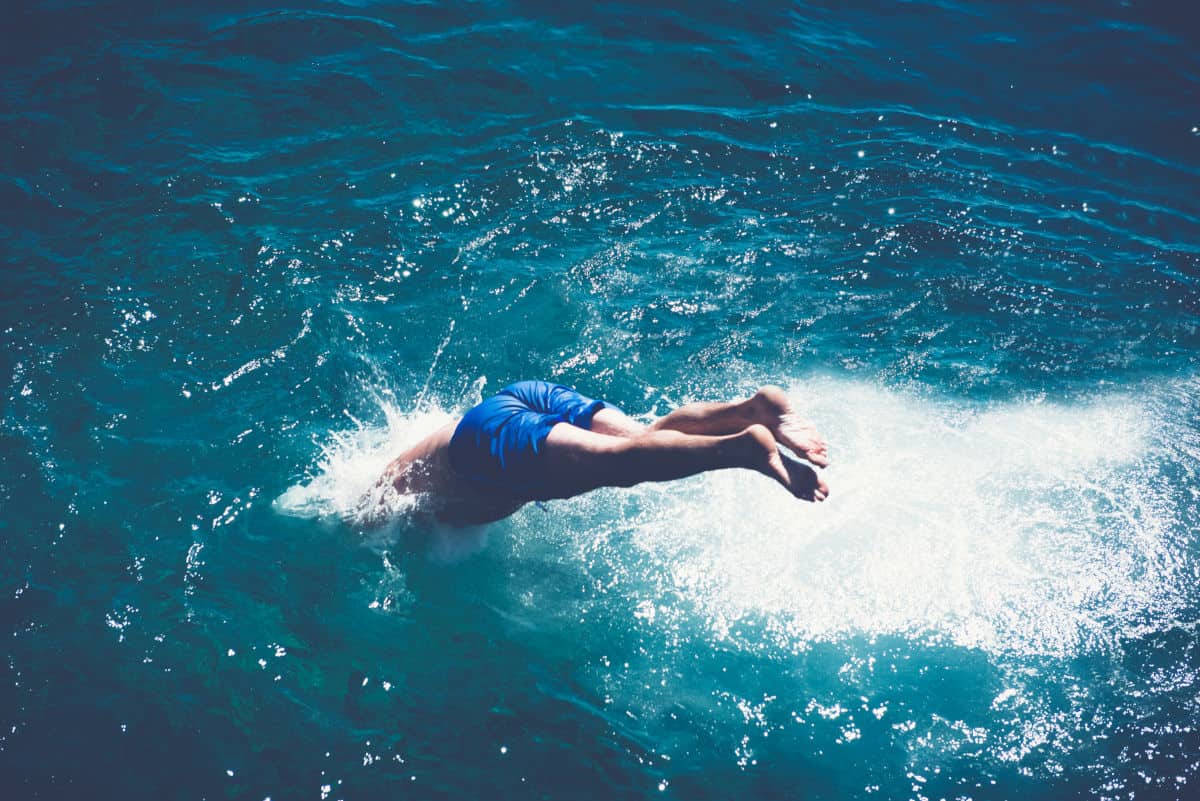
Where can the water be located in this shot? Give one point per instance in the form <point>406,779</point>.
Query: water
<point>250,251</point>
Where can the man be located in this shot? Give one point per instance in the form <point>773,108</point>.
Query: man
<point>534,441</point>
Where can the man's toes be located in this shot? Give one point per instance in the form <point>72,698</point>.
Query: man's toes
<point>820,491</point>
<point>817,455</point>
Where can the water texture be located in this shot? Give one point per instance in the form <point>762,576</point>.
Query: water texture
<point>251,251</point>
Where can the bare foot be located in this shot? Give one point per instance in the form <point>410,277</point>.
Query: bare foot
<point>797,477</point>
<point>804,482</point>
<point>788,428</point>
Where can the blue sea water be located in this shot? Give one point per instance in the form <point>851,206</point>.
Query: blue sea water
<point>250,251</point>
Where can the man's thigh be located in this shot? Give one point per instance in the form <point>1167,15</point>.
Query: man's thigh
<point>578,460</point>
<point>616,423</point>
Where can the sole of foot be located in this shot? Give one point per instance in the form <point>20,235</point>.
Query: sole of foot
<point>795,476</point>
<point>790,429</point>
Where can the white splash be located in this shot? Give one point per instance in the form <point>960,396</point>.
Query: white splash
<point>1020,528</point>
<point>344,484</point>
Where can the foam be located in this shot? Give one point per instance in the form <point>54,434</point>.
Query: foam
<point>1032,527</point>
<point>1019,528</point>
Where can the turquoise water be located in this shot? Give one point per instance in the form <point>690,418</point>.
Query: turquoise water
<point>250,251</point>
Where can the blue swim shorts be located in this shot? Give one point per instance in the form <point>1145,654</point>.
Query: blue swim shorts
<point>498,444</point>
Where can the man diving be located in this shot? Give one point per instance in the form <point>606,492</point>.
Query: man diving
<point>534,441</point>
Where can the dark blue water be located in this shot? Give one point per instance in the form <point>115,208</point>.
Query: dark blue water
<point>251,251</point>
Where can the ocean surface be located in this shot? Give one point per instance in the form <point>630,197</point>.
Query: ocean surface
<point>251,250</point>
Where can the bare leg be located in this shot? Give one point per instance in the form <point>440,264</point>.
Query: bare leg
<point>582,460</point>
<point>768,407</point>
<point>617,424</point>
